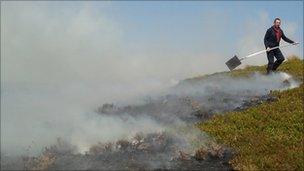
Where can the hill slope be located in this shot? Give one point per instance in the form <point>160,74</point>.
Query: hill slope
<point>267,136</point>
<point>161,133</point>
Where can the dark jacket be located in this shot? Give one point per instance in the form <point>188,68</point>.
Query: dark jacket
<point>270,39</point>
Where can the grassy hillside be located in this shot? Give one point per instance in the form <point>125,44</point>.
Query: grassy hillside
<point>270,135</point>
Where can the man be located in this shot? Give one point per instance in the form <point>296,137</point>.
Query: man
<point>272,38</point>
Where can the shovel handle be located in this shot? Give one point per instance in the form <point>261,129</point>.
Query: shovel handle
<point>262,51</point>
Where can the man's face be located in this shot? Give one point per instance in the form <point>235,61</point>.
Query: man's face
<point>277,23</point>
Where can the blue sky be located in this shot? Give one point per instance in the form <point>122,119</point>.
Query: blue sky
<point>206,31</point>
<point>181,25</point>
<point>171,39</point>
<point>182,21</point>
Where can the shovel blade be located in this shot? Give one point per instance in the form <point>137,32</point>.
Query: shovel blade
<point>233,63</point>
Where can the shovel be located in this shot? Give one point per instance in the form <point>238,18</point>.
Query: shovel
<point>235,61</point>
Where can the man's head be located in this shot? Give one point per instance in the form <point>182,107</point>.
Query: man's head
<point>277,22</point>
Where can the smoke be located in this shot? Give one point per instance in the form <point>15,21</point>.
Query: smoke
<point>256,83</point>
<point>59,64</point>
<point>110,129</point>
<point>172,110</point>
<point>84,127</point>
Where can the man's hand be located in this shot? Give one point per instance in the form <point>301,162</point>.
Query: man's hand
<point>268,49</point>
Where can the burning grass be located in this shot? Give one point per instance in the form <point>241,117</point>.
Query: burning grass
<point>268,136</point>
<point>142,152</point>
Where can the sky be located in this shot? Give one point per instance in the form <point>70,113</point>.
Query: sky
<point>63,59</point>
<point>168,29</point>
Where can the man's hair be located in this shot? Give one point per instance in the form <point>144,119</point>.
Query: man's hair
<point>276,20</point>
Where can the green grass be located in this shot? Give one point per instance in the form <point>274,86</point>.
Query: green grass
<point>268,136</point>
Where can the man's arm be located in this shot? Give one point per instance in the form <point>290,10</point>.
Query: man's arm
<point>286,39</point>
<point>266,37</point>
